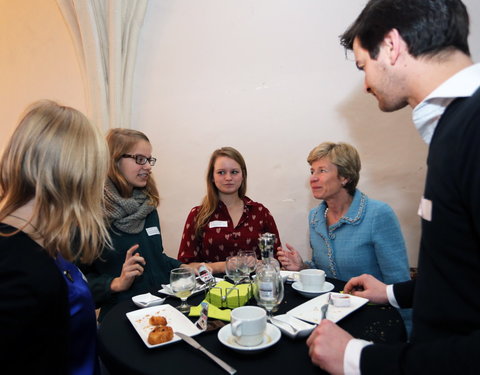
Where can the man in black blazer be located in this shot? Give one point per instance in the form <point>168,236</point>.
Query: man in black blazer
<point>415,52</point>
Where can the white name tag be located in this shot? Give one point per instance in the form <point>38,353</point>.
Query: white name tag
<point>218,224</point>
<point>152,231</point>
<point>425,209</point>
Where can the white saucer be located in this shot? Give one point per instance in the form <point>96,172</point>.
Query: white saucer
<point>147,300</point>
<point>327,287</point>
<point>271,336</point>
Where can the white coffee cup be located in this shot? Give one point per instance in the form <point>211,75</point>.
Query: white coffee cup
<point>312,280</point>
<point>248,325</point>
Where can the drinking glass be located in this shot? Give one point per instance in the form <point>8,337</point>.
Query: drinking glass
<point>248,260</point>
<point>182,282</point>
<point>233,268</point>
<point>268,290</point>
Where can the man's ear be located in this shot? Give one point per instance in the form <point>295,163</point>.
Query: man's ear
<point>395,45</point>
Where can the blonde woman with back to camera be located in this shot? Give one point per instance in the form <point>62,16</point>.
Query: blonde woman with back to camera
<point>51,194</point>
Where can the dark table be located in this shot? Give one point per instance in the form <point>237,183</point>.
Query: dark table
<point>123,351</point>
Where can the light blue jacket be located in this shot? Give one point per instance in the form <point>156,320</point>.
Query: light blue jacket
<point>368,239</point>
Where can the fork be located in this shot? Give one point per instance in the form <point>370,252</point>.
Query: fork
<point>324,308</point>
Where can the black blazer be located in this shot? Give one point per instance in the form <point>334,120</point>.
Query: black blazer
<point>446,302</point>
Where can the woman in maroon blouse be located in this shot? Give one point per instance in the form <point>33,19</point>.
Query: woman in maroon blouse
<point>227,221</point>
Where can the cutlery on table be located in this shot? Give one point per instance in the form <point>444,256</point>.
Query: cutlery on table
<point>197,345</point>
<point>324,308</point>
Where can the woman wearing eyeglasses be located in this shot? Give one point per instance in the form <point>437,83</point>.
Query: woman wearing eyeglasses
<point>137,263</point>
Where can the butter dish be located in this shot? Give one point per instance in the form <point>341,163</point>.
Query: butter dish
<point>147,300</point>
<point>302,329</point>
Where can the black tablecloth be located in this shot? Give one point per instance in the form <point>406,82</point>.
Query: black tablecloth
<point>123,351</point>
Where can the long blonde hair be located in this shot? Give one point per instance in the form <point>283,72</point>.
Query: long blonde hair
<point>121,141</point>
<point>210,201</point>
<point>59,160</point>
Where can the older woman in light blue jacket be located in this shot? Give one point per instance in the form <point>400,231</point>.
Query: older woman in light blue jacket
<point>366,239</point>
<point>350,234</point>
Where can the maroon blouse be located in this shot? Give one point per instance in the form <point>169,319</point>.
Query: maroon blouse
<point>220,239</point>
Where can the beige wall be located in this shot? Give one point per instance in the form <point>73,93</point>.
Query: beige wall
<point>265,76</point>
<point>37,60</point>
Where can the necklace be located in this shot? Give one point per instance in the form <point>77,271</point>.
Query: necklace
<point>25,221</point>
<point>325,213</point>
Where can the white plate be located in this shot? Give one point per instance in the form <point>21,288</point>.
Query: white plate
<point>147,300</point>
<point>271,336</point>
<point>327,287</point>
<point>310,310</point>
<point>290,276</point>
<point>304,328</point>
<point>199,288</point>
<point>175,319</point>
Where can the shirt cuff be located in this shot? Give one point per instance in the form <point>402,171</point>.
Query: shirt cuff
<point>391,296</point>
<point>351,358</point>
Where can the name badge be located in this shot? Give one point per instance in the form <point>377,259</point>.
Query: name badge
<point>218,224</point>
<point>152,231</point>
<point>425,209</point>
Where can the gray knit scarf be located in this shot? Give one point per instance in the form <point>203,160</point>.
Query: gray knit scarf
<point>127,214</point>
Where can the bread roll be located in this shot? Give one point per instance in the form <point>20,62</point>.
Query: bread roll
<point>158,321</point>
<point>160,334</point>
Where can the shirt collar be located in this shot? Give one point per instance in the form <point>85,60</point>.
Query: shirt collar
<point>428,112</point>
<point>356,209</point>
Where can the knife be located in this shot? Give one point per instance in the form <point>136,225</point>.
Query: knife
<point>196,345</point>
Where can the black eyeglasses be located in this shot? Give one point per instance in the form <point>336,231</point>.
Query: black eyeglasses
<point>141,159</point>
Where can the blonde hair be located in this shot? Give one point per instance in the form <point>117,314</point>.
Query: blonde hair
<point>210,201</point>
<point>58,159</point>
<point>121,141</point>
<point>344,156</point>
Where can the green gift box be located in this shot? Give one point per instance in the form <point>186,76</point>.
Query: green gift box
<point>213,312</point>
<point>236,296</point>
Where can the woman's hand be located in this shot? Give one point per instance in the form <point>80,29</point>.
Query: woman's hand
<point>290,259</point>
<point>132,268</point>
<point>367,286</point>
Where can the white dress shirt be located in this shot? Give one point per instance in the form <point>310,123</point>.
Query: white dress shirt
<point>427,113</point>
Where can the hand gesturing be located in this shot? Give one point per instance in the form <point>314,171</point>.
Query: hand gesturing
<point>131,268</point>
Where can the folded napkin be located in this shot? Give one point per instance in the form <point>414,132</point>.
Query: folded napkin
<point>213,312</point>
<point>236,297</point>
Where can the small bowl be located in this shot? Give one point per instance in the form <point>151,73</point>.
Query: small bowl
<point>340,300</point>
<point>147,300</point>
<point>303,328</point>
<point>290,276</point>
